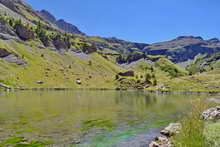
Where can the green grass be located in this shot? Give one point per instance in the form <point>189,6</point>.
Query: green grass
<point>211,133</point>
<point>171,68</point>
<point>193,127</point>
<point>56,70</point>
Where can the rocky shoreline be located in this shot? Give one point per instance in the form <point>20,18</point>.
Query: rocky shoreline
<point>166,135</point>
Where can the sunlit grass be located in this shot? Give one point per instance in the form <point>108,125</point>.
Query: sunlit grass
<point>192,127</point>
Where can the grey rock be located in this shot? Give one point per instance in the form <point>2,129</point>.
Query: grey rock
<point>6,87</point>
<point>24,33</point>
<point>4,53</point>
<point>161,142</point>
<point>6,29</point>
<point>171,130</point>
<point>154,144</point>
<point>14,59</point>
<point>212,114</point>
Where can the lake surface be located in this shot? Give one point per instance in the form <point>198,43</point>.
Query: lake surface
<point>87,118</point>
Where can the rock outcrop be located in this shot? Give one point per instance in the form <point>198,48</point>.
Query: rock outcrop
<point>24,33</point>
<point>4,53</point>
<point>6,29</point>
<point>60,43</point>
<point>11,57</point>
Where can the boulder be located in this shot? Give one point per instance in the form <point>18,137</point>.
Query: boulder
<point>89,48</point>
<point>24,33</point>
<point>154,144</point>
<point>171,130</point>
<point>161,142</point>
<point>212,114</point>
<point>60,44</point>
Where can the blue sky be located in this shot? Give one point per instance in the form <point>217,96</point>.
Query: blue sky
<point>145,21</point>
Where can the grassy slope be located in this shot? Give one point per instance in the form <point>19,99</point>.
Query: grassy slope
<point>55,70</point>
<point>204,82</point>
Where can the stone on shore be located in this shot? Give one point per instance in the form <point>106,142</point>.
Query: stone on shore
<point>212,114</point>
<point>161,142</point>
<point>171,130</point>
<point>154,144</point>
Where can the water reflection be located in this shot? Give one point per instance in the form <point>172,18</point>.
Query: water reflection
<point>34,114</point>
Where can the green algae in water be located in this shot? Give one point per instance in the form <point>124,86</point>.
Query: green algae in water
<point>113,138</point>
<point>17,142</point>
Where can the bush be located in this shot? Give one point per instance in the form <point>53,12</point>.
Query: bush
<point>117,77</point>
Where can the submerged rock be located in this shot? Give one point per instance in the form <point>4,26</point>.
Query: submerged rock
<point>171,130</point>
<point>212,114</point>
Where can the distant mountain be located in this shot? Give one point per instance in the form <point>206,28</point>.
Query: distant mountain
<point>61,24</point>
<point>184,48</point>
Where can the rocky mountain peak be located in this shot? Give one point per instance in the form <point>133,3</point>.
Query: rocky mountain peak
<point>68,27</point>
<point>47,15</point>
<point>61,23</point>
